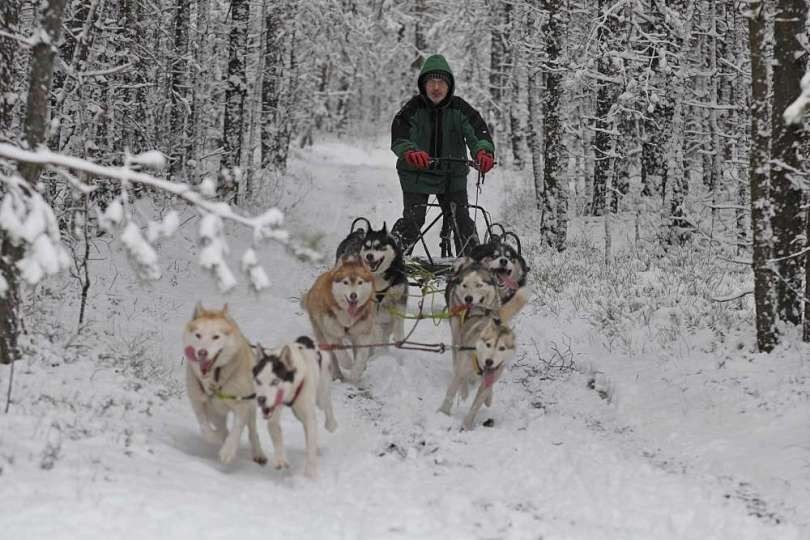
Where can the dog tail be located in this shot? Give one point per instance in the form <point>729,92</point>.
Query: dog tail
<point>514,305</point>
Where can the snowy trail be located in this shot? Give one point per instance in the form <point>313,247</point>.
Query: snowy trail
<point>557,464</point>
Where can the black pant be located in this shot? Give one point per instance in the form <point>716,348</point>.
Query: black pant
<point>456,216</point>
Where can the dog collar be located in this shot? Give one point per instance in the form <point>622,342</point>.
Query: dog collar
<point>295,397</point>
<point>227,397</point>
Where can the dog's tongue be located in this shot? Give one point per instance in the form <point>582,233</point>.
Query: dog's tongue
<point>205,365</point>
<point>353,308</point>
<point>279,398</point>
<point>489,378</point>
<point>508,282</point>
<point>191,355</point>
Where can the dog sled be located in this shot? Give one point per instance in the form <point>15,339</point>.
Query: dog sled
<point>434,263</point>
<point>440,263</point>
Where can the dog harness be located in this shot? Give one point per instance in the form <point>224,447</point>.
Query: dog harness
<point>476,365</point>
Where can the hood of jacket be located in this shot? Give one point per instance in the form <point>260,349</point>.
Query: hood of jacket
<point>434,64</point>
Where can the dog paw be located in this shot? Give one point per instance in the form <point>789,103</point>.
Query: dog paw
<point>469,423</point>
<point>261,459</point>
<point>280,463</point>
<point>330,425</point>
<point>227,453</point>
<point>488,400</point>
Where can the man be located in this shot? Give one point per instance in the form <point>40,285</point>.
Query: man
<point>437,124</point>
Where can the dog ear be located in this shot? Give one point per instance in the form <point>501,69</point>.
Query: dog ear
<point>384,228</point>
<point>348,259</point>
<point>460,264</point>
<point>286,356</point>
<point>283,366</point>
<point>198,311</point>
<point>259,352</point>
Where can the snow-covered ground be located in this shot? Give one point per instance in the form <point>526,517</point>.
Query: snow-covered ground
<point>668,427</point>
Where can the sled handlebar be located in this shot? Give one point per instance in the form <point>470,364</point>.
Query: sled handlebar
<point>434,162</point>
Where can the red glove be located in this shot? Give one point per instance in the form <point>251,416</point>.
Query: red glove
<point>485,161</point>
<point>418,158</point>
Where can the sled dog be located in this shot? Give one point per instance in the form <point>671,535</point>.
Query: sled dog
<point>505,263</point>
<point>340,306</point>
<point>382,256</point>
<point>486,331</point>
<point>219,361</point>
<point>296,376</point>
<point>471,290</point>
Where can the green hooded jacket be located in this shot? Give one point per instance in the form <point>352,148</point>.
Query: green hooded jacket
<point>446,129</point>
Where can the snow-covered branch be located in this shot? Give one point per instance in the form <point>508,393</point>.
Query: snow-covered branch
<point>30,222</point>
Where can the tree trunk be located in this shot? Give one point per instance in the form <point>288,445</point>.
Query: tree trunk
<point>679,226</point>
<point>9,15</point>
<point>235,89</point>
<point>556,202</point>
<point>9,255</point>
<point>272,87</point>
<point>602,138</point>
<point>419,42</point>
<point>767,337</point>
<point>36,123</point>
<point>42,56</point>
<point>517,110</point>
<point>786,193</point>
<point>497,67</point>
<point>180,148</point>
<point>203,74</point>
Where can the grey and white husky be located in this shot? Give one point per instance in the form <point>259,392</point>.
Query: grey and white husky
<point>296,376</point>
<point>482,341</point>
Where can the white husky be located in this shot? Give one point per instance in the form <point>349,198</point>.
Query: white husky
<point>219,380</point>
<point>296,376</point>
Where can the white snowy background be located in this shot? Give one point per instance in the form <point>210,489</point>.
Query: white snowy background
<point>636,407</point>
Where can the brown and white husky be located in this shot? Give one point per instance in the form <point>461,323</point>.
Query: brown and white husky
<point>340,306</point>
<point>219,380</point>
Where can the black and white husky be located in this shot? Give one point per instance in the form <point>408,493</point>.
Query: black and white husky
<point>295,376</point>
<point>382,256</point>
<point>506,264</point>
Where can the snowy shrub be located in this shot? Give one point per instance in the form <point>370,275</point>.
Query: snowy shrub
<point>81,403</point>
<point>652,296</point>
